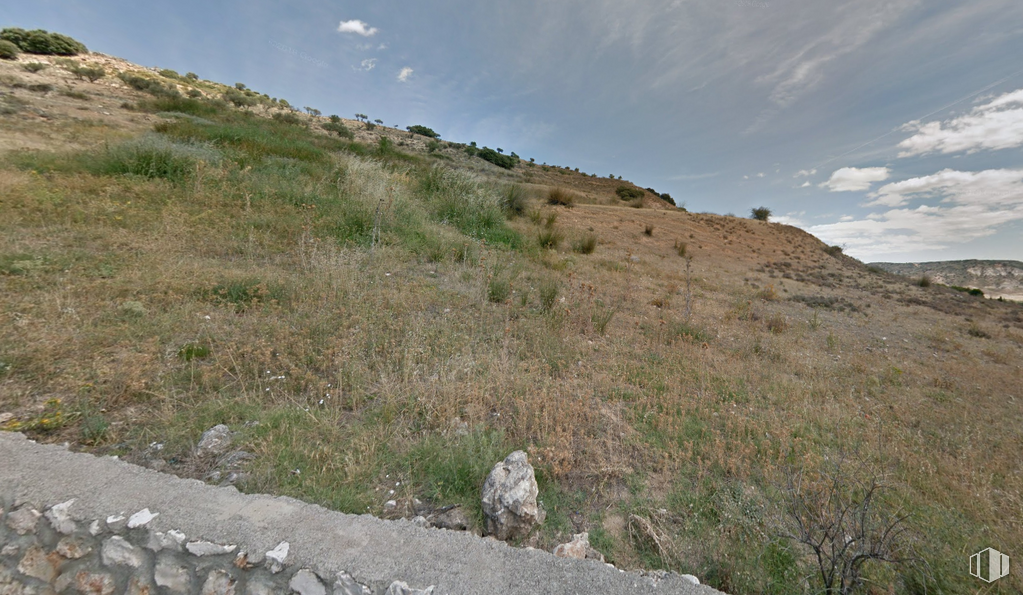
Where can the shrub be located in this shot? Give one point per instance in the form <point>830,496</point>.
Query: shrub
<point>74,94</point>
<point>171,74</point>
<point>586,244</point>
<point>513,200</point>
<point>153,157</point>
<point>39,41</point>
<point>337,127</point>
<point>35,66</point>
<point>431,146</point>
<point>191,76</point>
<point>777,324</point>
<point>8,50</point>
<point>505,161</point>
<point>549,237</point>
<point>194,93</point>
<point>151,86</point>
<point>648,230</point>
<point>498,290</point>
<point>288,118</point>
<point>924,281</point>
<point>421,130</point>
<point>560,196</point>
<point>835,251</point>
<point>680,247</point>
<point>549,290</point>
<point>239,98</point>
<point>760,213</point>
<point>40,88</point>
<point>629,192</point>
<point>87,72</point>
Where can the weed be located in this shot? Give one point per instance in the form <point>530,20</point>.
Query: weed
<point>814,322</point>
<point>498,289</point>
<point>549,237</point>
<point>513,200</point>
<point>924,281</point>
<point>560,196</point>
<point>601,317</point>
<point>585,244</point>
<point>680,248</point>
<point>648,230</point>
<point>549,290</point>
<point>777,324</point>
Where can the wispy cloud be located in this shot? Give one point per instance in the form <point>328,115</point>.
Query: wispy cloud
<point>964,206</point>
<point>805,173</point>
<point>997,124</point>
<point>853,179</point>
<point>358,27</point>
<point>404,74</point>
<point>368,64</point>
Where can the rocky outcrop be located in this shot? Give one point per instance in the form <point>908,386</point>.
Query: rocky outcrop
<point>579,548</point>
<point>509,498</point>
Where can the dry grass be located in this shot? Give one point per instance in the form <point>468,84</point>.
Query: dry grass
<point>361,366</point>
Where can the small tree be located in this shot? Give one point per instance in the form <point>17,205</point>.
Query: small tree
<point>761,213</point>
<point>422,130</point>
<point>8,50</point>
<point>191,76</point>
<point>841,517</point>
<point>379,121</point>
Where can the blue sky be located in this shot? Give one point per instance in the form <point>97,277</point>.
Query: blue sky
<point>893,128</point>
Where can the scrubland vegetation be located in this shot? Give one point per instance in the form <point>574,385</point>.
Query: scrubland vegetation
<point>377,326</point>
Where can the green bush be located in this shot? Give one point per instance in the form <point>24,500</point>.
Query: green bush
<point>337,127</point>
<point>431,146</point>
<point>586,244</point>
<point>33,66</point>
<point>93,73</point>
<point>151,86</point>
<point>513,199</point>
<point>153,157</point>
<point>505,161</point>
<point>549,237</point>
<point>39,41</point>
<point>760,213</point>
<point>8,50</point>
<point>422,130</point>
<point>288,118</point>
<point>239,98</point>
<point>629,192</point>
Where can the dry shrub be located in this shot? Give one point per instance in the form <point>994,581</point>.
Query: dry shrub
<point>560,196</point>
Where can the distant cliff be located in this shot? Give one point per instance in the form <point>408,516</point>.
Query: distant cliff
<point>997,278</point>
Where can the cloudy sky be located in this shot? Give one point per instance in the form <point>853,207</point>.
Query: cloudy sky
<point>893,128</point>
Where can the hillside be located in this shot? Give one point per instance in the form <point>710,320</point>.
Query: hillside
<point>996,278</point>
<point>381,318</point>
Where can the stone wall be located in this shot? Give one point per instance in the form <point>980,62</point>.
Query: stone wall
<point>47,551</point>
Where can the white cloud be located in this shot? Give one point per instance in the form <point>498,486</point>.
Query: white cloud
<point>405,74</point>
<point>804,173</point>
<point>965,206</point>
<point>687,177</point>
<point>358,27</point>
<point>368,64</point>
<point>760,175</point>
<point>852,179</point>
<point>806,184</point>
<point>997,124</point>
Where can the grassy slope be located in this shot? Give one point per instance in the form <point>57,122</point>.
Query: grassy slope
<point>225,270</point>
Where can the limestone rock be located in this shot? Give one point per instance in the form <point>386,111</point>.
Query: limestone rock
<point>218,582</point>
<point>38,565</point>
<point>207,548</point>
<point>305,582</point>
<point>117,551</point>
<point>579,548</point>
<point>95,583</point>
<point>138,585</point>
<point>171,576</point>
<point>171,540</point>
<point>344,584</point>
<point>23,520</point>
<point>73,548</point>
<point>401,588</point>
<point>691,579</point>
<point>275,558</point>
<point>141,518</point>
<point>214,442</point>
<point>60,517</point>
<point>509,498</point>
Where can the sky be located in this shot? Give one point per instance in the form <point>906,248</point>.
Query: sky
<point>891,128</point>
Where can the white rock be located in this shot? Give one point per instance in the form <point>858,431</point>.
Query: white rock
<point>401,588</point>
<point>691,579</point>
<point>23,520</point>
<point>305,582</point>
<point>116,522</point>
<point>344,584</point>
<point>579,548</point>
<point>171,540</point>
<point>214,441</point>
<point>509,498</point>
<point>218,582</point>
<point>275,558</point>
<point>118,552</point>
<point>208,548</point>
<point>94,528</point>
<point>141,518</point>
<point>172,577</point>
<point>60,517</point>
